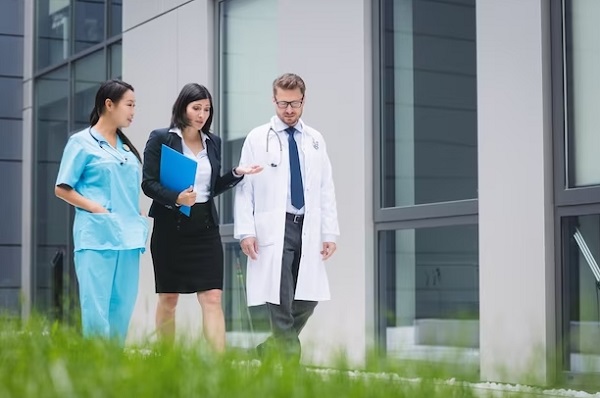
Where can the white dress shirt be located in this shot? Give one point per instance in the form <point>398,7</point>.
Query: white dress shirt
<point>203,170</point>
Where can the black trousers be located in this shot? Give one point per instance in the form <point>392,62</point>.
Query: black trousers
<point>289,317</point>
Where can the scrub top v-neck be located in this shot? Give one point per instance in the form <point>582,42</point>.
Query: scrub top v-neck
<point>111,177</point>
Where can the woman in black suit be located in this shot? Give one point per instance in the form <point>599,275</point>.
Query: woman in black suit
<point>186,251</point>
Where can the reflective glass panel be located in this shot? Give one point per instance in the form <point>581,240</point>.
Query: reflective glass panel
<point>581,284</point>
<point>246,326</point>
<point>583,92</point>
<point>90,72</point>
<point>429,102</point>
<point>247,75</point>
<point>89,23</point>
<point>431,291</point>
<point>52,219</point>
<point>53,32</point>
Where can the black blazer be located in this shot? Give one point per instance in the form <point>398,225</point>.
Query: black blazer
<point>163,199</point>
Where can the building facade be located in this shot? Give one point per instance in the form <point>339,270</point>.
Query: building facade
<point>462,138</point>
<point>11,127</point>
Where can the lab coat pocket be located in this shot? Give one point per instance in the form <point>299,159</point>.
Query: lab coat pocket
<point>265,231</point>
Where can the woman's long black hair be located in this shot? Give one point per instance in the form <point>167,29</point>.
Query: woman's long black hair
<point>114,90</point>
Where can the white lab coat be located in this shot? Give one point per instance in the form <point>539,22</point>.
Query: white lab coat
<point>260,207</point>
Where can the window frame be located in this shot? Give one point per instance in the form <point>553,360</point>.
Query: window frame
<point>568,202</point>
<point>451,213</point>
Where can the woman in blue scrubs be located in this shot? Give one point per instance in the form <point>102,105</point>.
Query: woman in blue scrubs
<point>100,176</point>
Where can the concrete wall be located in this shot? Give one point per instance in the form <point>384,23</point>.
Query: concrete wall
<point>163,50</point>
<point>328,43</point>
<point>515,190</point>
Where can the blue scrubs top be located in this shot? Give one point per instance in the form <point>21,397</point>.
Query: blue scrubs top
<point>111,177</point>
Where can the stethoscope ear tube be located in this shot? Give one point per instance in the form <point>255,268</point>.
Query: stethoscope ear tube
<point>315,145</point>
<point>122,159</point>
<point>280,146</point>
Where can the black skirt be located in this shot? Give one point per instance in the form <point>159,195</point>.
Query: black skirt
<point>187,252</point>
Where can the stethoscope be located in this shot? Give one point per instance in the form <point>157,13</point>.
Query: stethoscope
<point>315,145</point>
<point>122,159</point>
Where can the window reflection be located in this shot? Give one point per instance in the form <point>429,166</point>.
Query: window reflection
<point>90,72</point>
<point>52,216</point>
<point>63,104</point>
<point>247,74</point>
<point>89,23</point>
<point>246,326</point>
<point>429,102</point>
<point>432,291</point>
<point>67,27</point>
<point>582,64</point>
<point>116,61</point>
<point>581,280</point>
<point>116,17</point>
<point>53,27</point>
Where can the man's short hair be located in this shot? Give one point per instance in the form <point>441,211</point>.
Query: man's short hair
<point>289,81</point>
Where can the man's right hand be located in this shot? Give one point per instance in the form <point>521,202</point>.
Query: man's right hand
<point>250,247</point>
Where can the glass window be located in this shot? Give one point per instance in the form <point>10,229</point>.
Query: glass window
<point>116,61</point>
<point>53,29</point>
<point>247,74</point>
<point>44,277</point>
<point>63,100</point>
<point>429,102</point>
<point>52,223</point>
<point>90,72</point>
<point>89,23</point>
<point>581,284</point>
<point>583,92</point>
<point>52,111</point>
<point>431,282</point>
<point>116,18</point>
<point>11,113</point>
<point>243,323</point>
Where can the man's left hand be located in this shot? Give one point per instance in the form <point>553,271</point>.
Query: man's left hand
<point>328,250</point>
<point>245,170</point>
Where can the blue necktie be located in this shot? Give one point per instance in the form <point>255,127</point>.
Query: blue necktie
<point>295,174</point>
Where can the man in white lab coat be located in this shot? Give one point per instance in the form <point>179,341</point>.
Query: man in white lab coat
<point>286,217</point>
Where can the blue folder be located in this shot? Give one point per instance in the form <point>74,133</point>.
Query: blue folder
<point>177,172</point>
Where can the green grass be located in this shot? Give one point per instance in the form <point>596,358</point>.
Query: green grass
<point>42,359</point>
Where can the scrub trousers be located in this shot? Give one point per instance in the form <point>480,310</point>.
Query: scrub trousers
<point>108,286</point>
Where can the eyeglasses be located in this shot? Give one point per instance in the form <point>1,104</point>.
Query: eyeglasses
<point>294,104</point>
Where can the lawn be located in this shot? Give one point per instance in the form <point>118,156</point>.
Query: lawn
<point>43,359</point>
